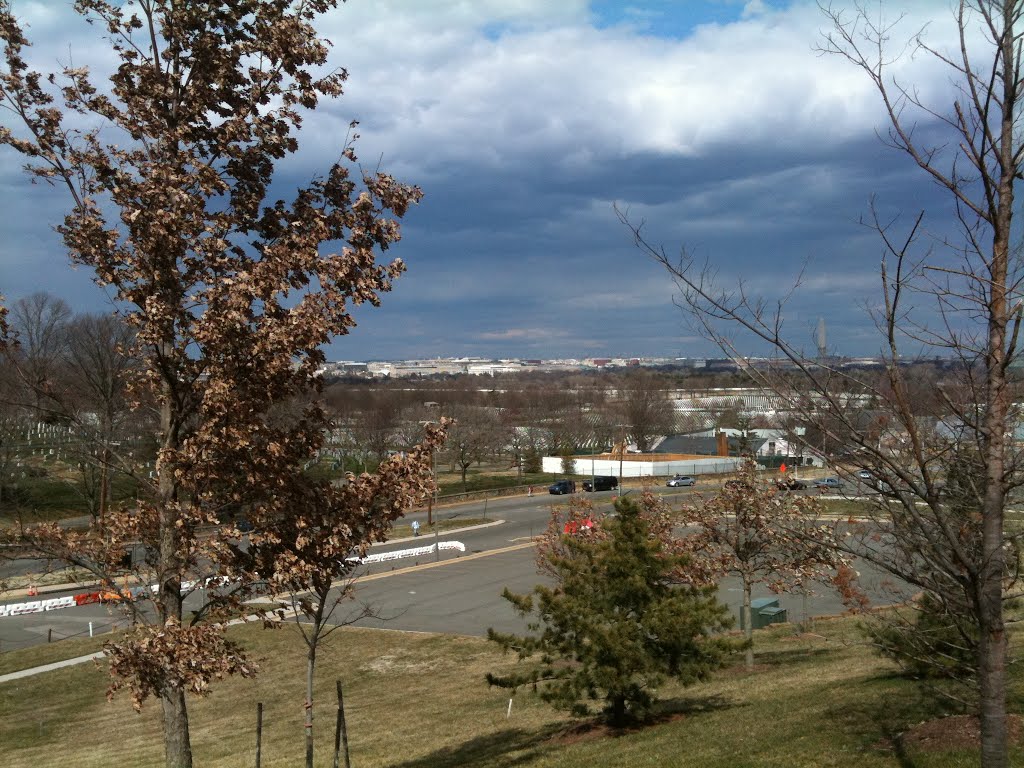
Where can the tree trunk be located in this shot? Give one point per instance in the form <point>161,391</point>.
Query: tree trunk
<point>992,687</point>
<point>322,593</point>
<point>992,646</point>
<point>618,711</point>
<point>748,624</point>
<point>104,485</point>
<point>177,745</point>
<point>106,434</point>
<point>310,667</point>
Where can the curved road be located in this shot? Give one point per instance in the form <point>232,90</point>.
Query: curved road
<point>457,593</point>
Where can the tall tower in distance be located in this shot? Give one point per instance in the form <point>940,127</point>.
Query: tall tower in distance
<point>820,339</point>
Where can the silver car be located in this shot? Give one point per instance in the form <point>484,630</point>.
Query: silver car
<point>681,481</point>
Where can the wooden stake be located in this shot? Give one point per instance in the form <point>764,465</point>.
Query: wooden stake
<point>341,731</point>
<point>259,732</point>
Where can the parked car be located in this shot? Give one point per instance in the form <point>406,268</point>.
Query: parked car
<point>601,483</point>
<point>827,483</point>
<point>681,481</point>
<point>562,487</point>
<point>865,474</point>
<point>790,484</point>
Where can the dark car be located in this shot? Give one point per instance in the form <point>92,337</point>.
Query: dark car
<point>562,487</point>
<point>790,484</point>
<point>681,481</point>
<point>601,483</point>
<point>741,485</point>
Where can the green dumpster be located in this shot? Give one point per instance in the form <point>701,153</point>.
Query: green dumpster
<point>764,611</point>
<point>767,616</point>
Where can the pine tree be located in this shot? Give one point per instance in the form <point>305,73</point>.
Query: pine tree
<point>617,624</point>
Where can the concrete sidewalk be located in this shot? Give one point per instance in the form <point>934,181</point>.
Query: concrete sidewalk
<point>49,667</point>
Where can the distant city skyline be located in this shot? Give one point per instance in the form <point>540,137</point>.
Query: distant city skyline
<point>511,365</point>
<point>715,121</point>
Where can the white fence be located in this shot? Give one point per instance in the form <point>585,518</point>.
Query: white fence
<point>713,465</point>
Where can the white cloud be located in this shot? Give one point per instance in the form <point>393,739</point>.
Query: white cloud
<point>754,8</point>
<point>518,334</point>
<point>490,85</point>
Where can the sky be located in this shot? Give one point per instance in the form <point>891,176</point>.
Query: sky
<point>718,123</point>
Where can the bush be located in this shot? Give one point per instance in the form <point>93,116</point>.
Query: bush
<point>532,463</point>
<point>928,645</point>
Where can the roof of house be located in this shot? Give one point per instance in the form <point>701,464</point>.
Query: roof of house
<point>702,445</point>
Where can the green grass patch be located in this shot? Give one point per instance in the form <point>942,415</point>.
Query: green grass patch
<point>56,496</point>
<point>488,481</point>
<point>419,701</point>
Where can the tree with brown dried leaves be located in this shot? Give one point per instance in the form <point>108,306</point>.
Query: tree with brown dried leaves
<point>231,294</point>
<point>761,535</point>
<point>312,556</point>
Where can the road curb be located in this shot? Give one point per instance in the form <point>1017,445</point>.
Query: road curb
<point>449,561</point>
<point>14,594</point>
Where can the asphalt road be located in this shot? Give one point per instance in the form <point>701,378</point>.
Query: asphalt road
<point>458,593</point>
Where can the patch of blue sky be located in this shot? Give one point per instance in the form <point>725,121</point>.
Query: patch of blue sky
<point>674,19</point>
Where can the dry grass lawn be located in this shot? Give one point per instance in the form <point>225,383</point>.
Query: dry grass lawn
<point>419,701</point>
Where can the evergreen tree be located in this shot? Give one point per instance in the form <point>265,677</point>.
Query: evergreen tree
<point>532,461</point>
<point>568,460</point>
<point>617,623</point>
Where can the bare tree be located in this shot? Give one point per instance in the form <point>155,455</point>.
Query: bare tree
<point>972,286</point>
<point>231,294</point>
<point>373,424</point>
<point>474,431</point>
<point>38,323</point>
<point>98,368</point>
<point>646,408</point>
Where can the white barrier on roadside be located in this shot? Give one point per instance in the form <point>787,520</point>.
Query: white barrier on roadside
<point>138,593</point>
<point>37,606</point>
<point>401,554</point>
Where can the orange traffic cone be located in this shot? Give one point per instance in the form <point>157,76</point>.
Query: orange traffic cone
<point>32,591</point>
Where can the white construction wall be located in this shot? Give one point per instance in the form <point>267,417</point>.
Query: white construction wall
<point>712,465</point>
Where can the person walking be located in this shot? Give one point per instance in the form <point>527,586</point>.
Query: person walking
<point>415,528</point>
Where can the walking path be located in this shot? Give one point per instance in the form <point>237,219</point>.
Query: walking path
<point>50,667</point>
